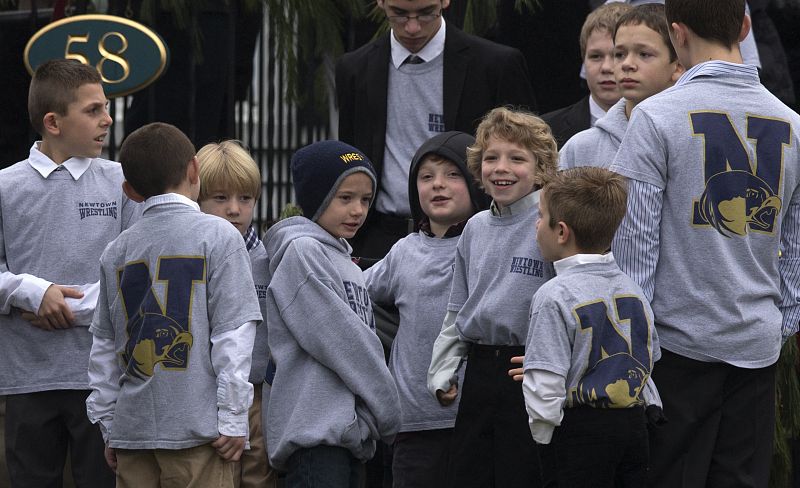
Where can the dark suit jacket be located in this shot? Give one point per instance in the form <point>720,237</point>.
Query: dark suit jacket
<point>478,75</point>
<point>568,121</point>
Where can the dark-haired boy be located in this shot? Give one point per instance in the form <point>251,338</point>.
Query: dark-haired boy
<point>591,342</point>
<point>174,327</point>
<point>58,211</point>
<point>416,276</point>
<point>711,236</point>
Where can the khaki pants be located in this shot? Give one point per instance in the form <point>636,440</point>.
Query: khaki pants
<point>254,469</point>
<point>195,467</point>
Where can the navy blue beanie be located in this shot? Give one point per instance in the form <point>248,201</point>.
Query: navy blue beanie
<point>319,168</point>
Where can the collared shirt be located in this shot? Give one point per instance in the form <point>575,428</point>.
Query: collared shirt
<point>521,205</point>
<point>45,166</point>
<point>717,68</point>
<point>433,48</point>
<point>251,239</point>
<point>577,259</point>
<point>596,112</point>
<point>168,198</point>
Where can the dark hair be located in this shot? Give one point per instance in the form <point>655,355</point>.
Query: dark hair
<point>53,88</point>
<point>651,15</point>
<point>714,20</point>
<point>591,201</point>
<point>154,158</point>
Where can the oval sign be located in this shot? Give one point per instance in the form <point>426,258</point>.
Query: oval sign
<point>128,55</point>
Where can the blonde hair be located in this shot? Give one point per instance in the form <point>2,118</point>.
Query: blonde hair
<point>603,18</point>
<point>227,166</point>
<point>591,201</point>
<point>519,127</point>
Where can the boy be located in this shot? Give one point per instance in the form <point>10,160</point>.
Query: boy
<point>332,395</point>
<point>496,273</point>
<point>415,276</point>
<point>598,64</point>
<point>58,211</point>
<point>591,342</point>
<point>230,185</point>
<point>645,63</point>
<point>174,327</point>
<point>713,197</point>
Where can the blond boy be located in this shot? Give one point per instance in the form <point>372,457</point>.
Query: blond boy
<point>230,186</point>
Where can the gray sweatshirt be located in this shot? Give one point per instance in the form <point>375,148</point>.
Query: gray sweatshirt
<point>415,276</point>
<point>331,385</point>
<point>260,263</point>
<point>598,145</point>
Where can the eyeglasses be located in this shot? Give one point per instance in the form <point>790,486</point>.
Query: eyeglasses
<point>421,19</point>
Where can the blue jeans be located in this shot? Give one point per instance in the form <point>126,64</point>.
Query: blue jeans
<point>323,467</point>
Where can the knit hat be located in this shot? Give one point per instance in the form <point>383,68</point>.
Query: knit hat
<point>453,147</point>
<point>319,168</point>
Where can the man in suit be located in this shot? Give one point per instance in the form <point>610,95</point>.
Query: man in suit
<point>425,76</point>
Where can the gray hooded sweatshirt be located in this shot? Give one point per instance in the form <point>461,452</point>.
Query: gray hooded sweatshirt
<point>596,146</point>
<point>331,385</point>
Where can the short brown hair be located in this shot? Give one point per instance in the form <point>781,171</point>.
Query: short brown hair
<point>519,127</point>
<point>53,88</point>
<point>603,18</point>
<point>591,201</point>
<point>154,158</point>
<point>717,21</point>
<point>652,16</point>
<point>227,166</point>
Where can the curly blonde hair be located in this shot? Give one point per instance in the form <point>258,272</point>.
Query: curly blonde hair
<point>519,127</point>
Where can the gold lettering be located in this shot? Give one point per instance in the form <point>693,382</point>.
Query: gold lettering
<point>113,57</point>
<point>76,39</point>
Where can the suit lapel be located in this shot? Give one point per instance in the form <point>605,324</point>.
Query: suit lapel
<point>377,79</point>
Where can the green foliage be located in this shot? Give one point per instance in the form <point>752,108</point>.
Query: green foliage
<point>290,210</point>
<point>787,414</point>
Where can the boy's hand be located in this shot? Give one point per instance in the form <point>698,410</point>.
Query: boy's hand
<point>229,448</point>
<point>54,313</point>
<point>111,458</point>
<point>447,397</point>
<point>516,373</point>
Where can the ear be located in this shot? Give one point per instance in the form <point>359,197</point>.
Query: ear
<point>445,4</point>
<point>679,70</point>
<point>746,24</point>
<point>564,232</point>
<point>193,171</point>
<point>679,34</point>
<point>50,123</point>
<point>131,193</point>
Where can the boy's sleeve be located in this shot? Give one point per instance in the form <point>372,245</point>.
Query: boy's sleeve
<point>231,356</point>
<point>104,369</point>
<point>544,393</point>
<point>23,290</point>
<point>636,243</point>
<point>346,345</point>
<point>131,212</point>
<point>379,281</point>
<point>566,156</point>
<point>448,352</point>
<point>789,269</point>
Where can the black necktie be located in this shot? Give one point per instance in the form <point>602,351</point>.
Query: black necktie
<point>413,59</point>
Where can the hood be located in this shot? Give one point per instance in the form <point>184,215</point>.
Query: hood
<point>452,146</point>
<point>614,122</point>
<point>280,235</point>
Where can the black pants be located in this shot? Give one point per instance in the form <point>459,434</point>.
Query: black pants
<point>492,444</point>
<point>721,424</point>
<point>420,458</point>
<point>597,448</point>
<point>39,429</point>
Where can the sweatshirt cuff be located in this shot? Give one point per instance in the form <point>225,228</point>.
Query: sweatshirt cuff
<point>542,432</point>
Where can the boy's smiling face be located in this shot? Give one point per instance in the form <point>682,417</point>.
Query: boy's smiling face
<point>508,171</point>
<point>82,130</point>
<point>232,206</point>
<point>348,208</point>
<point>443,194</point>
